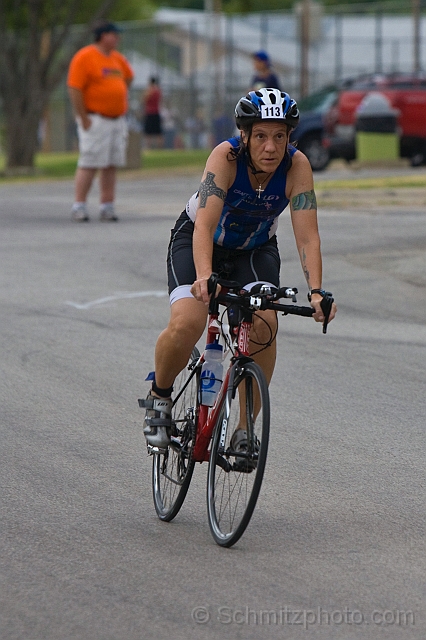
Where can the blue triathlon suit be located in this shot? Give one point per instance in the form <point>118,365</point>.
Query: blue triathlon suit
<point>245,245</point>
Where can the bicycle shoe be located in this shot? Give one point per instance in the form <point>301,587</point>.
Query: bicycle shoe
<point>158,421</point>
<point>239,444</point>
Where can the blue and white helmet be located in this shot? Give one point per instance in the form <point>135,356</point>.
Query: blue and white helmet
<point>266,104</point>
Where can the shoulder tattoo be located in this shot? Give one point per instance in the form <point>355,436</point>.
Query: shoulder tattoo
<point>208,187</point>
<point>305,200</point>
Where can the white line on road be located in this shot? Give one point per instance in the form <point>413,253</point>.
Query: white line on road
<point>118,296</point>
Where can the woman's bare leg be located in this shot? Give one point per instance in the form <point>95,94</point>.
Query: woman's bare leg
<point>187,322</point>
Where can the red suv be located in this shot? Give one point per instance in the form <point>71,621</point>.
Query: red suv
<point>406,93</point>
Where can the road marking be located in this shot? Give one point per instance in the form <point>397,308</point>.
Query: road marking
<point>118,296</point>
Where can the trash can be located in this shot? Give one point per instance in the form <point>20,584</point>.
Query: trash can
<point>376,128</point>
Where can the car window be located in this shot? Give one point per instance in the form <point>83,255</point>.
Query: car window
<point>363,85</point>
<point>319,102</point>
<point>404,84</point>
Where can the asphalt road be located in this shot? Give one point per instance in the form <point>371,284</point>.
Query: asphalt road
<point>336,547</point>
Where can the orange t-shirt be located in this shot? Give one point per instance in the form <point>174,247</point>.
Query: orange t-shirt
<point>101,79</point>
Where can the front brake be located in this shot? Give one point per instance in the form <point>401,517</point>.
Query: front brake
<point>326,305</point>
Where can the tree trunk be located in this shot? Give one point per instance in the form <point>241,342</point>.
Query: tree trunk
<point>34,55</point>
<point>23,122</point>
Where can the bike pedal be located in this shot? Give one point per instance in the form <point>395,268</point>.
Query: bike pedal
<point>155,450</point>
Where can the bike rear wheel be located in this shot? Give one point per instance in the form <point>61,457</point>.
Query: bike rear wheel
<point>234,481</point>
<point>172,470</point>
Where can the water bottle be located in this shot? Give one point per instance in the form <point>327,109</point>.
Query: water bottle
<point>211,373</point>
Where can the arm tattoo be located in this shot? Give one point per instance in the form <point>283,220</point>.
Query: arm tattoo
<point>305,200</point>
<point>209,188</point>
<point>305,268</point>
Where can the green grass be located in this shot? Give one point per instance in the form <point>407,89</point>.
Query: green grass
<point>166,158</point>
<point>62,165</point>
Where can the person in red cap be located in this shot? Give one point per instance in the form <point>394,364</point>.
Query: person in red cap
<point>263,76</point>
<point>98,81</point>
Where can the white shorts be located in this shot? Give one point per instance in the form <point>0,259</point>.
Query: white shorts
<point>104,144</point>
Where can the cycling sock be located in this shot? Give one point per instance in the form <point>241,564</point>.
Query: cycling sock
<point>163,393</point>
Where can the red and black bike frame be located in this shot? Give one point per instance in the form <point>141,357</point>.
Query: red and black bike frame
<point>207,416</point>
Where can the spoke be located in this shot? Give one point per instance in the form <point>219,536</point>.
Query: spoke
<point>232,494</point>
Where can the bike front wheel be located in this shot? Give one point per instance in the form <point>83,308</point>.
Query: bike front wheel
<point>172,470</point>
<point>236,470</point>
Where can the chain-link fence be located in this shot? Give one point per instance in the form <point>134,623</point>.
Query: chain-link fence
<point>204,62</point>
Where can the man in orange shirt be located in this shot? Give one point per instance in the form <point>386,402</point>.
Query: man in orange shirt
<point>98,81</point>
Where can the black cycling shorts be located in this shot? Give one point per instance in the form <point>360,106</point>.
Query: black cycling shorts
<point>245,266</point>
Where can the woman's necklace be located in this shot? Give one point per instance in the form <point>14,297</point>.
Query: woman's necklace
<point>259,188</point>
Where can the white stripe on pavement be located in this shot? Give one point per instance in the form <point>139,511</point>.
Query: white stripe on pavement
<point>118,296</point>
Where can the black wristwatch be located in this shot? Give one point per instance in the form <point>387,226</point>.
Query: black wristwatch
<point>322,293</point>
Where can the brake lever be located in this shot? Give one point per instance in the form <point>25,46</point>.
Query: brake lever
<point>326,305</point>
<point>211,288</point>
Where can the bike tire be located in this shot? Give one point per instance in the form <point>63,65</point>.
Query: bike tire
<point>233,484</point>
<point>172,470</point>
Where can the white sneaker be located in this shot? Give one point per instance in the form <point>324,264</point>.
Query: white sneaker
<point>107,214</point>
<point>79,213</point>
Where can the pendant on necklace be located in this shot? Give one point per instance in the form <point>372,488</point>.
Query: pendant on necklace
<point>259,190</point>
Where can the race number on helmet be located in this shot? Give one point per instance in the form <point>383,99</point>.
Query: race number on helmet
<point>266,104</point>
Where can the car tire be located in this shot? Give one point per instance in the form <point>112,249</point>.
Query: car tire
<point>417,160</point>
<point>317,154</point>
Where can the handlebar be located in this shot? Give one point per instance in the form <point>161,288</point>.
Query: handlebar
<point>263,297</point>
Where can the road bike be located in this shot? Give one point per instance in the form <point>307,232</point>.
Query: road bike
<point>205,434</point>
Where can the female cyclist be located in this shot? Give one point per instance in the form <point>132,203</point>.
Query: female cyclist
<point>228,227</point>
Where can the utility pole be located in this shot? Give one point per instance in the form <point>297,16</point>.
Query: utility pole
<point>304,47</point>
<point>416,39</point>
<point>212,10</point>
<point>209,89</point>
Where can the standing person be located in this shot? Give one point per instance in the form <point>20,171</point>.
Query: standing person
<point>152,128</point>
<point>168,115</point>
<point>229,227</point>
<point>263,75</point>
<point>98,81</point>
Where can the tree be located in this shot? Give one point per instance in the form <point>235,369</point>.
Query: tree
<point>36,45</point>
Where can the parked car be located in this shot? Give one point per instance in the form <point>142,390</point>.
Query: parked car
<point>405,92</point>
<point>309,132</point>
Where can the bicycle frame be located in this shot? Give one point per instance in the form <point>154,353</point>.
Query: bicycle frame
<point>207,416</point>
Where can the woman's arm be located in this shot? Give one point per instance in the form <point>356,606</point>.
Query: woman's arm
<point>218,175</point>
<point>303,207</point>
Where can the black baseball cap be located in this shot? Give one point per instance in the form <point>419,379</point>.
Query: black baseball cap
<point>107,27</point>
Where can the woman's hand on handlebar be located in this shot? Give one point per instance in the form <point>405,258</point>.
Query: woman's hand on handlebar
<point>318,315</point>
<point>200,290</point>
